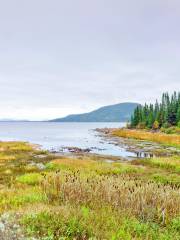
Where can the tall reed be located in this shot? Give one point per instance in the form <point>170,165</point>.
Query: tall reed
<point>145,200</point>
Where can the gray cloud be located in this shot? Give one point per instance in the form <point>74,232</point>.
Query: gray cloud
<point>59,57</point>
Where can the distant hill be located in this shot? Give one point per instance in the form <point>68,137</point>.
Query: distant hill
<point>114,113</point>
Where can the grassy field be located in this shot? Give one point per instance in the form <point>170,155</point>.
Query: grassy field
<point>47,197</point>
<point>159,137</point>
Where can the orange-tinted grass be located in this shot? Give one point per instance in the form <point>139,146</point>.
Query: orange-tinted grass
<point>173,139</point>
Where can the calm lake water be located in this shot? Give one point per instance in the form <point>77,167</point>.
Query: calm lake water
<point>57,135</point>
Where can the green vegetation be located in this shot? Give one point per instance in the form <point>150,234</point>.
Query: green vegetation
<point>30,178</point>
<point>161,115</point>
<point>170,163</point>
<point>87,198</point>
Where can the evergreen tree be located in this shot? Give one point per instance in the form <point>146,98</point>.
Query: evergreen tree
<point>166,113</point>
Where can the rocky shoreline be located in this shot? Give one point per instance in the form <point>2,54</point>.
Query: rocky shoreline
<point>139,148</point>
<point>142,148</point>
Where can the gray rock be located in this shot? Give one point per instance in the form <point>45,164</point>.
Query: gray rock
<point>40,166</point>
<point>2,227</point>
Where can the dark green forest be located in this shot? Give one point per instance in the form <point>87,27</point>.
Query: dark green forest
<point>162,114</point>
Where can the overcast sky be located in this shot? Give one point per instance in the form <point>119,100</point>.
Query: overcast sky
<point>59,57</point>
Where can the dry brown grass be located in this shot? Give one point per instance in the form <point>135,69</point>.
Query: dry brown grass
<point>125,193</point>
<point>163,138</point>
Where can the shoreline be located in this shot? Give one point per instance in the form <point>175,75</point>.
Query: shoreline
<point>139,146</point>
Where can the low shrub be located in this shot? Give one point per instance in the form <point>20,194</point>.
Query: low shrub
<point>55,226</point>
<point>30,178</point>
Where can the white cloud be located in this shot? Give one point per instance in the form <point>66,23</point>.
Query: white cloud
<point>63,57</point>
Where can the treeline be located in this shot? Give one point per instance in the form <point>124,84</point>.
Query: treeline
<point>164,114</point>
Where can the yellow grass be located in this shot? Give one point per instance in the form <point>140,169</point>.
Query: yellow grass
<point>158,137</point>
<point>91,167</point>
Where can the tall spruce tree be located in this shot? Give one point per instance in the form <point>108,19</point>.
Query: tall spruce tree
<point>165,113</point>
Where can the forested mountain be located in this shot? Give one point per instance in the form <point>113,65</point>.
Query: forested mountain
<point>114,113</point>
<point>163,114</point>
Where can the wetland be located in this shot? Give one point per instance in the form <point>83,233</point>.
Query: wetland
<point>86,195</point>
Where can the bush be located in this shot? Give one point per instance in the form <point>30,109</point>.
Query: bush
<point>155,125</point>
<point>129,126</point>
<point>166,125</point>
<point>171,130</point>
<point>141,125</point>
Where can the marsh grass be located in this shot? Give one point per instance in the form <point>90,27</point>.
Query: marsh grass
<point>145,200</point>
<point>169,163</point>
<point>91,166</point>
<point>15,198</point>
<point>166,179</point>
<point>70,221</point>
<point>167,139</point>
<point>87,198</point>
